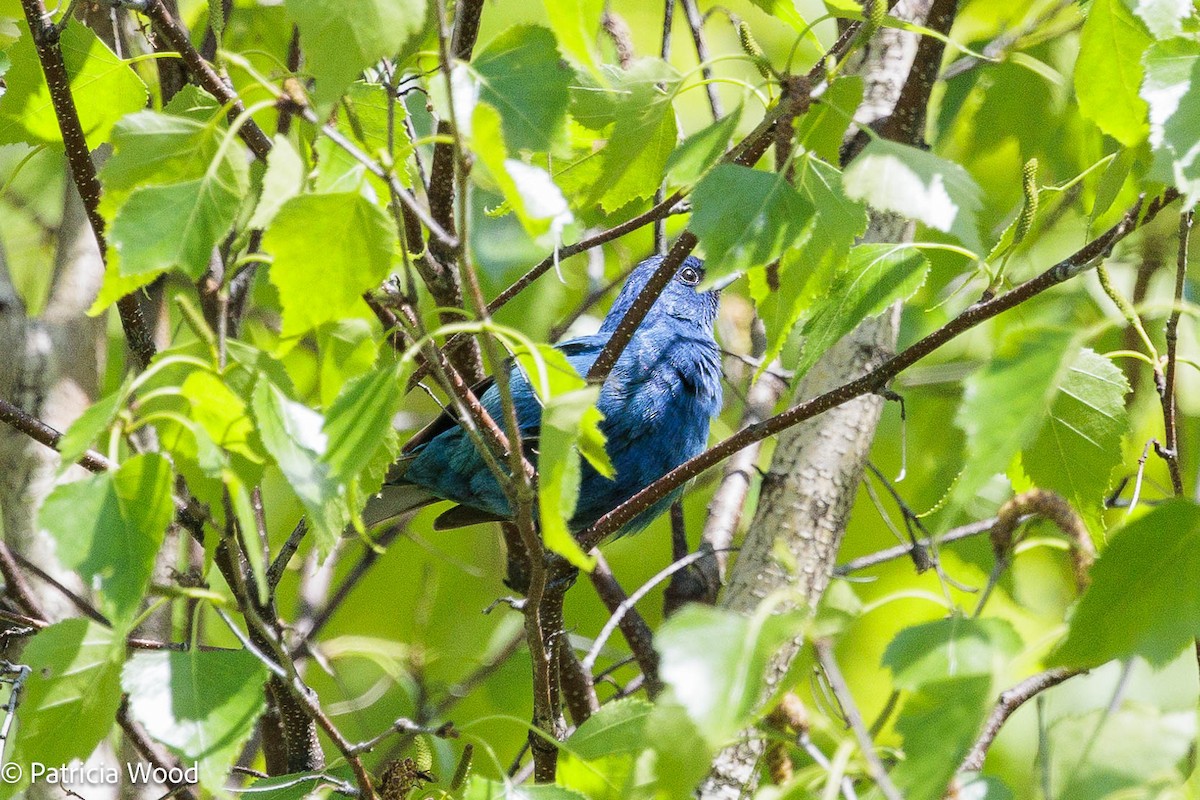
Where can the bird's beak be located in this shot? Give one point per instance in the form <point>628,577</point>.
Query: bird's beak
<point>722,283</point>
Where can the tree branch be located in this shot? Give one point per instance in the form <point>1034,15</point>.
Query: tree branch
<point>45,37</point>
<point>877,378</point>
<point>1010,701</point>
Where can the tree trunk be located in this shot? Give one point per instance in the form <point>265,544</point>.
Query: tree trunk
<point>808,492</point>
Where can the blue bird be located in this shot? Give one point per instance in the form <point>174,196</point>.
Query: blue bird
<point>657,404</point>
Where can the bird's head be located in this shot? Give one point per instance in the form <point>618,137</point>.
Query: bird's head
<point>680,299</point>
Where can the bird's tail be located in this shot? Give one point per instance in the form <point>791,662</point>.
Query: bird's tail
<point>393,501</point>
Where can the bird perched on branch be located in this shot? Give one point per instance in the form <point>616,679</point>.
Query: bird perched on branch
<point>656,402</point>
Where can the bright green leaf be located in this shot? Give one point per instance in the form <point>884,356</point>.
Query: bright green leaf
<point>559,469</point>
<point>357,421</point>
<point>1172,89</point>
<point>103,86</point>
<point>318,283</point>
<point>874,277</point>
<point>956,647</point>
<point>201,704</point>
<point>920,185</point>
<point>644,132</point>
<point>745,218</point>
<point>1142,600</point>
<point>618,727</point>
<point>74,688</point>
<point>1075,452</point>
<point>714,661</point>
<point>1005,404</point>
<point>109,527</point>
<point>576,24</point>
<point>292,433</point>
<point>91,423</point>
<point>522,75</point>
<point>283,180</point>
<point>341,38</point>
<point>823,128</point>
<point>939,724</point>
<point>1108,71</point>
<point>695,154</point>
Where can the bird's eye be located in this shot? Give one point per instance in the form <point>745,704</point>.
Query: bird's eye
<point>689,275</point>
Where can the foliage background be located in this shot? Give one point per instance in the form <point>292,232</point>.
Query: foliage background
<point>415,625</point>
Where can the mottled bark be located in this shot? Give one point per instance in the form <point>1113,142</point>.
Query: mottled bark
<point>814,475</point>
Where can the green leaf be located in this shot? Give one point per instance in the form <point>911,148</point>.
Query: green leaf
<point>698,152</point>
<point>1122,753</point>
<point>1143,599</point>
<point>221,412</point>
<point>161,227</point>
<point>874,277</point>
<point>822,129</point>
<point>292,433</point>
<point>171,193</point>
<point>282,181</point>
<point>714,661</point>
<point>618,727</point>
<point>529,190</point>
<point>103,86</point>
<point>919,185</point>
<point>522,75</point>
<point>957,647</point>
<point>1108,71</point>
<point>1005,404</point>
<point>72,695</point>
<point>318,283</point>
<point>1164,18</point>
<point>1172,90</point>
<point>347,349</point>
<point>202,704</point>
<point>91,423</point>
<point>1076,450</point>
<point>939,724</point>
<point>357,421</point>
<point>576,24</point>
<point>109,527</point>
<point>745,218</point>
<point>559,469</point>
<point>638,103</point>
<point>784,10</point>
<point>341,38</point>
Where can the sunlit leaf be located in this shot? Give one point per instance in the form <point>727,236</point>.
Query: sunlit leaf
<point>1172,89</point>
<point>745,218</point>
<point>1080,444</point>
<point>714,661</point>
<point>109,527</point>
<point>1142,600</point>
<point>318,283</point>
<point>201,704</point>
<point>522,75</point>
<point>340,38</point>
<point>1108,71</point>
<point>103,86</point>
<point>919,185</point>
<point>74,687</point>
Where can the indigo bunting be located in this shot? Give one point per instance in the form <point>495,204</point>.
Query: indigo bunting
<point>657,403</point>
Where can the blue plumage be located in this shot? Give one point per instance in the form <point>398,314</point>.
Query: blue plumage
<point>657,403</point>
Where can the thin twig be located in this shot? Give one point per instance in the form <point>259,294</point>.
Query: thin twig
<point>837,684</point>
<point>622,612</point>
<point>45,38</point>
<point>1172,336</point>
<point>1010,701</point>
